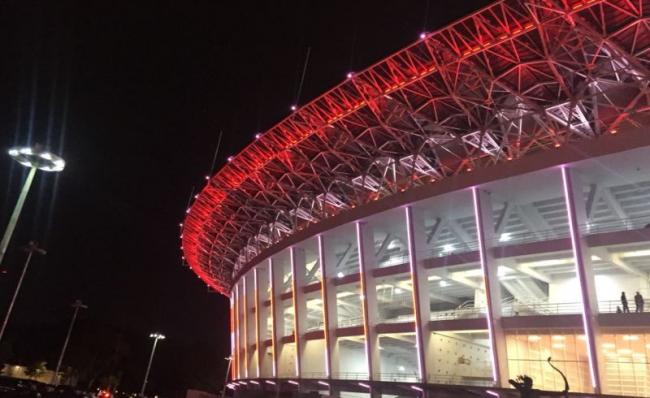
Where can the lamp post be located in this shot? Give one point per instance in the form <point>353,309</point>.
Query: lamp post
<point>77,305</point>
<point>31,248</point>
<point>225,382</point>
<point>155,337</point>
<point>36,159</point>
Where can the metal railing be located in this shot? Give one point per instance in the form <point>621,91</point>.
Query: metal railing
<point>540,308</point>
<point>350,322</point>
<point>458,313</point>
<point>400,377</point>
<point>613,306</point>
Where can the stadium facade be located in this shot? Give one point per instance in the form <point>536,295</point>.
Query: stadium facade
<point>453,215</point>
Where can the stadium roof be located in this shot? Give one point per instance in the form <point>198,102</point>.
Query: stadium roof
<point>514,78</point>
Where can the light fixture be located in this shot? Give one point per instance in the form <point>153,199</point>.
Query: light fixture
<point>505,237</point>
<point>448,248</point>
<point>36,158</point>
<point>340,275</point>
<point>443,283</point>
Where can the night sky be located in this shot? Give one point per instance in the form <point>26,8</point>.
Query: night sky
<point>133,95</point>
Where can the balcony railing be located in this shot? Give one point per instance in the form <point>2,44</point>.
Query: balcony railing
<point>458,313</point>
<point>613,306</point>
<point>519,308</point>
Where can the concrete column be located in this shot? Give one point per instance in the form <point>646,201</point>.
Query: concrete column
<point>237,333</point>
<point>262,277</point>
<point>576,214</point>
<point>245,322</point>
<point>233,332</point>
<point>258,345</point>
<point>421,303</point>
<point>298,276</point>
<point>486,241</point>
<point>275,277</point>
<point>328,295</point>
<point>368,262</point>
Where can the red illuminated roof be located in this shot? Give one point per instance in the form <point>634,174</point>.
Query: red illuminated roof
<point>513,78</point>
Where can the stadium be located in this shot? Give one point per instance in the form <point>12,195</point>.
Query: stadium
<point>450,217</point>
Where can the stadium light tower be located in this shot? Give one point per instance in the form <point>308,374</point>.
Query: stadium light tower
<point>36,159</point>
<point>155,337</point>
<point>77,305</point>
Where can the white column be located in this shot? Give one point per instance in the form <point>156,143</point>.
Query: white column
<point>276,314</point>
<point>245,331</point>
<point>258,345</point>
<point>328,294</point>
<point>233,332</point>
<point>486,240</point>
<point>576,213</point>
<point>299,302</point>
<point>367,262</point>
<point>421,303</point>
<point>263,295</point>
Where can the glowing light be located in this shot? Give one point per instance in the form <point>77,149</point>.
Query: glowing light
<point>295,383</point>
<point>443,283</point>
<point>294,107</point>
<point>630,337</point>
<point>398,290</point>
<point>448,248</point>
<point>423,35</point>
<point>41,160</point>
<point>230,158</point>
<point>364,385</point>
<point>505,237</point>
<point>534,338</point>
<point>340,275</point>
<point>416,388</point>
<point>401,368</point>
<point>349,75</point>
<point>323,383</point>
<point>595,258</point>
<point>257,136</point>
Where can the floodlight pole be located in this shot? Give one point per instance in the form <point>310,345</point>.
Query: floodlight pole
<point>155,337</point>
<point>225,382</point>
<point>31,248</point>
<point>14,216</point>
<point>77,305</point>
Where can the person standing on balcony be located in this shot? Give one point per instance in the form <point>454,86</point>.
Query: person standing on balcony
<point>638,301</point>
<point>626,309</point>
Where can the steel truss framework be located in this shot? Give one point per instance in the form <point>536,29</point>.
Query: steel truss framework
<point>514,78</point>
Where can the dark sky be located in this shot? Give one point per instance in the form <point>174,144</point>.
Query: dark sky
<point>133,95</point>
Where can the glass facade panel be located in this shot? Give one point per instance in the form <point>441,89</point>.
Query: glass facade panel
<point>398,357</point>
<point>395,299</point>
<point>535,263</point>
<point>460,357</point>
<point>626,368</point>
<point>529,350</point>
<point>352,362</point>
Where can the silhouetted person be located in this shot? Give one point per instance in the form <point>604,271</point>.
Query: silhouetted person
<point>638,302</point>
<point>626,309</point>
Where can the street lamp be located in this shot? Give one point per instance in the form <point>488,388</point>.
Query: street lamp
<point>36,159</point>
<point>77,305</point>
<point>31,248</point>
<point>155,337</point>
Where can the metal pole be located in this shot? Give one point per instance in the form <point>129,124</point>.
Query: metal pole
<point>14,216</point>
<point>31,248</point>
<point>77,305</point>
<point>225,382</point>
<point>146,375</point>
